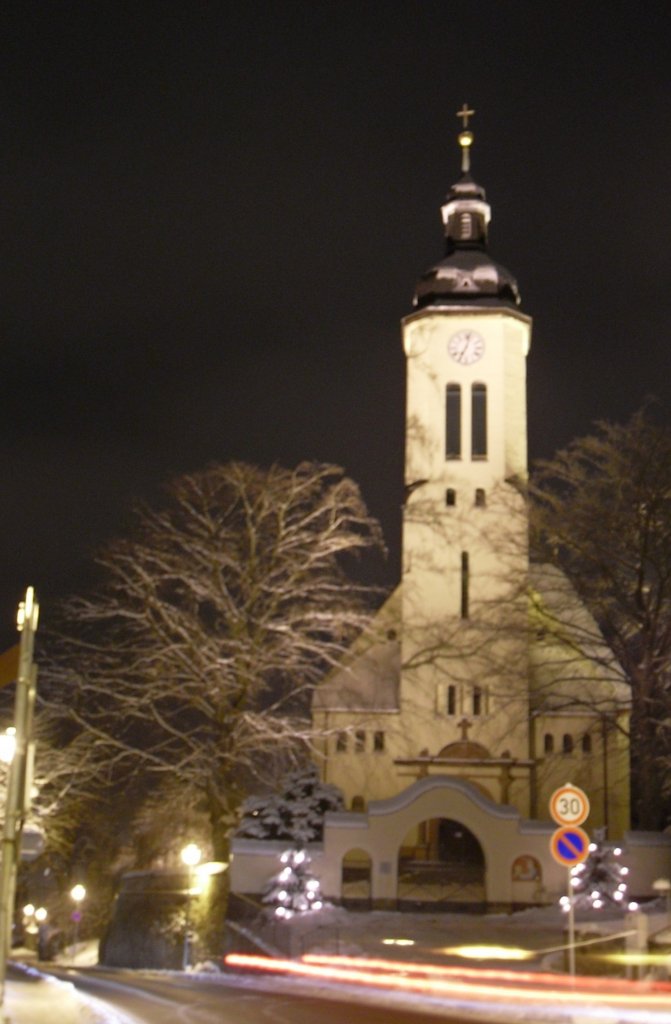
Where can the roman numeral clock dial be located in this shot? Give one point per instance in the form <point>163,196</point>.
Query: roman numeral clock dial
<point>466,347</point>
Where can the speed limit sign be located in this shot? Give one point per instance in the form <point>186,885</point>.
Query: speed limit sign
<point>569,805</point>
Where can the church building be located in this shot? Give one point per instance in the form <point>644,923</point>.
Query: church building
<point>482,666</point>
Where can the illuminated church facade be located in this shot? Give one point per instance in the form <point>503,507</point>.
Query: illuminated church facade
<point>483,684</point>
<point>482,666</point>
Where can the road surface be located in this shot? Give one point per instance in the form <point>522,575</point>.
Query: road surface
<point>461,997</point>
<point>181,999</point>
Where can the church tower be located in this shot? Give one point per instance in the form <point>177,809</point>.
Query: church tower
<point>465,553</point>
<point>473,670</point>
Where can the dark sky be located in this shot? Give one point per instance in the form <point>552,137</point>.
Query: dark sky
<point>214,216</point>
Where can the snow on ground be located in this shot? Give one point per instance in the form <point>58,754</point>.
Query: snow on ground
<point>35,998</point>
<point>427,935</point>
<point>415,936</point>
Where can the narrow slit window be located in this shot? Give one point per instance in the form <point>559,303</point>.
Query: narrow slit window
<point>479,421</point>
<point>480,499</point>
<point>465,574</point>
<point>587,744</point>
<point>451,699</point>
<point>548,743</point>
<point>453,422</point>
<point>567,743</point>
<point>378,742</point>
<point>450,497</point>
<point>477,700</point>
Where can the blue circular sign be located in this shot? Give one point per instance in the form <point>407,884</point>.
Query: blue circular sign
<point>570,845</point>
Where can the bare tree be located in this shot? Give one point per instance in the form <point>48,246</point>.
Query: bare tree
<point>602,512</point>
<point>195,660</point>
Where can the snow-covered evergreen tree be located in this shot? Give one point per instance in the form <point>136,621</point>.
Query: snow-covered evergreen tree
<point>600,880</point>
<point>295,890</point>
<point>295,813</point>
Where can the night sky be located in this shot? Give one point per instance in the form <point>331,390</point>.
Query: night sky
<point>214,218</point>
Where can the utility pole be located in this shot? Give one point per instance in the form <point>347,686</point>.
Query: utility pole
<point>20,775</point>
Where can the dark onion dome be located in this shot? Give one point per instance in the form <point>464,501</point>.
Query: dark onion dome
<point>467,273</point>
<point>470,277</point>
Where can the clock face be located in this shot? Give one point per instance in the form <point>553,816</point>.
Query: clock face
<point>466,347</point>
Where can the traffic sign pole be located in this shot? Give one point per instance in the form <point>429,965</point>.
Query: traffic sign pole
<point>571,925</point>
<point>569,845</point>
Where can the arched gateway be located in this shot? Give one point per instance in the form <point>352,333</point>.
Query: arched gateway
<point>441,864</point>
<point>439,842</point>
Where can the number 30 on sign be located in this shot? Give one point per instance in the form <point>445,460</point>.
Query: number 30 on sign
<point>569,805</point>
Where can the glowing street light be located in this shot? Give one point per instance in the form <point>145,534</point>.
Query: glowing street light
<point>33,917</point>
<point>8,745</point>
<point>78,895</point>
<point>190,855</point>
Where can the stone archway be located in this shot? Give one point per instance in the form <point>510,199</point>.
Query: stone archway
<point>441,864</point>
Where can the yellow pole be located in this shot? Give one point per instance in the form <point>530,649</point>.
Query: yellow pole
<point>18,783</point>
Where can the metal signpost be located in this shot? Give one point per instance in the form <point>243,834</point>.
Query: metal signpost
<point>569,844</point>
<point>20,775</point>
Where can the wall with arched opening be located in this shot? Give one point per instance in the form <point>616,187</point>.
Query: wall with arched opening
<point>518,864</point>
<point>395,826</point>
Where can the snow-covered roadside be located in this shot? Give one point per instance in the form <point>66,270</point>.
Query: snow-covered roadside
<point>42,999</point>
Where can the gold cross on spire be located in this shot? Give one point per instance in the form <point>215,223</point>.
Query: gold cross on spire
<point>464,114</point>
<point>465,137</point>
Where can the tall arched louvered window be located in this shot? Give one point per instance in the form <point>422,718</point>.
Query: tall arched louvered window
<point>453,422</point>
<point>479,421</point>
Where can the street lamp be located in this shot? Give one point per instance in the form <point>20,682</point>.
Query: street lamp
<point>8,745</point>
<point>190,855</point>
<point>78,894</point>
<point>17,799</point>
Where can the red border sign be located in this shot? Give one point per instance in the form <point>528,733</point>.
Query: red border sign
<point>569,805</point>
<point>570,845</point>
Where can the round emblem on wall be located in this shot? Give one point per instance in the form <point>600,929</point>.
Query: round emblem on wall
<point>466,347</point>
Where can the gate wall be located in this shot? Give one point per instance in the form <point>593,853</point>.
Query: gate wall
<point>503,835</point>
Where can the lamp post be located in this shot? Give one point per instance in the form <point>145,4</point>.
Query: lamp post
<point>190,855</point>
<point>77,894</point>
<point>19,780</point>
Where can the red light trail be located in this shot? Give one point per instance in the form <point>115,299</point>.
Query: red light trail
<point>474,984</point>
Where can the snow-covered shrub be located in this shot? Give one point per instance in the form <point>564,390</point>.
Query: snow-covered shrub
<point>295,813</point>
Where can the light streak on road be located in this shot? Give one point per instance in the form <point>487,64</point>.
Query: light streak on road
<point>494,974</point>
<point>489,952</point>
<point>476,985</point>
